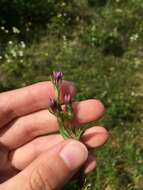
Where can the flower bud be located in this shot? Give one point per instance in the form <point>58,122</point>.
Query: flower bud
<point>57,77</point>
<point>67,99</point>
<point>53,105</point>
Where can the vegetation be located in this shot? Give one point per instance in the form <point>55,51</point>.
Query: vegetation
<point>96,43</point>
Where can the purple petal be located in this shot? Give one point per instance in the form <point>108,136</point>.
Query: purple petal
<point>67,99</point>
<point>57,77</point>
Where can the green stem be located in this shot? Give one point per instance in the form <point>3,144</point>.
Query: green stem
<point>62,130</point>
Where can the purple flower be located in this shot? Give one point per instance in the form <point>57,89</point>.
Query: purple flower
<point>57,77</point>
<point>53,104</point>
<point>67,99</point>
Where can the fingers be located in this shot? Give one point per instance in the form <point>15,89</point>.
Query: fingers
<point>27,128</point>
<point>23,156</point>
<point>95,136</point>
<point>28,99</point>
<point>90,164</point>
<point>87,111</point>
<point>43,122</point>
<point>45,172</point>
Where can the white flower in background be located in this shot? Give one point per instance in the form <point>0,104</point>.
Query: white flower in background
<point>21,53</point>
<point>6,31</point>
<point>15,30</point>
<point>8,60</point>
<point>13,53</point>
<point>134,37</point>
<point>59,15</point>
<point>10,42</point>
<point>27,29</point>
<point>119,10</point>
<point>2,28</point>
<point>63,4</point>
<point>23,45</point>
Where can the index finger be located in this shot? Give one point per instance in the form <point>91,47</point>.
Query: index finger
<point>29,99</point>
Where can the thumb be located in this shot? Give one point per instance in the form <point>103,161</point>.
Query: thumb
<point>50,172</point>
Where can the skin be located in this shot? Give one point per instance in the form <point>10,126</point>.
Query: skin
<point>32,156</point>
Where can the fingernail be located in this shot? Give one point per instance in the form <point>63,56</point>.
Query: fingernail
<point>74,155</point>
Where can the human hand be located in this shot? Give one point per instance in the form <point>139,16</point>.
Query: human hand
<point>32,157</point>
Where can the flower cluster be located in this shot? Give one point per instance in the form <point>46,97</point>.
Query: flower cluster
<point>65,114</point>
<point>14,52</point>
<point>63,111</point>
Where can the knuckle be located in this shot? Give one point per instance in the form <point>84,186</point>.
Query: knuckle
<point>38,180</point>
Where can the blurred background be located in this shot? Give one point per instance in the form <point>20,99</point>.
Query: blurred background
<point>99,45</point>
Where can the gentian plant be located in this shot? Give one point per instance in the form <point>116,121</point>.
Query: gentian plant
<point>63,112</point>
<point>65,115</point>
